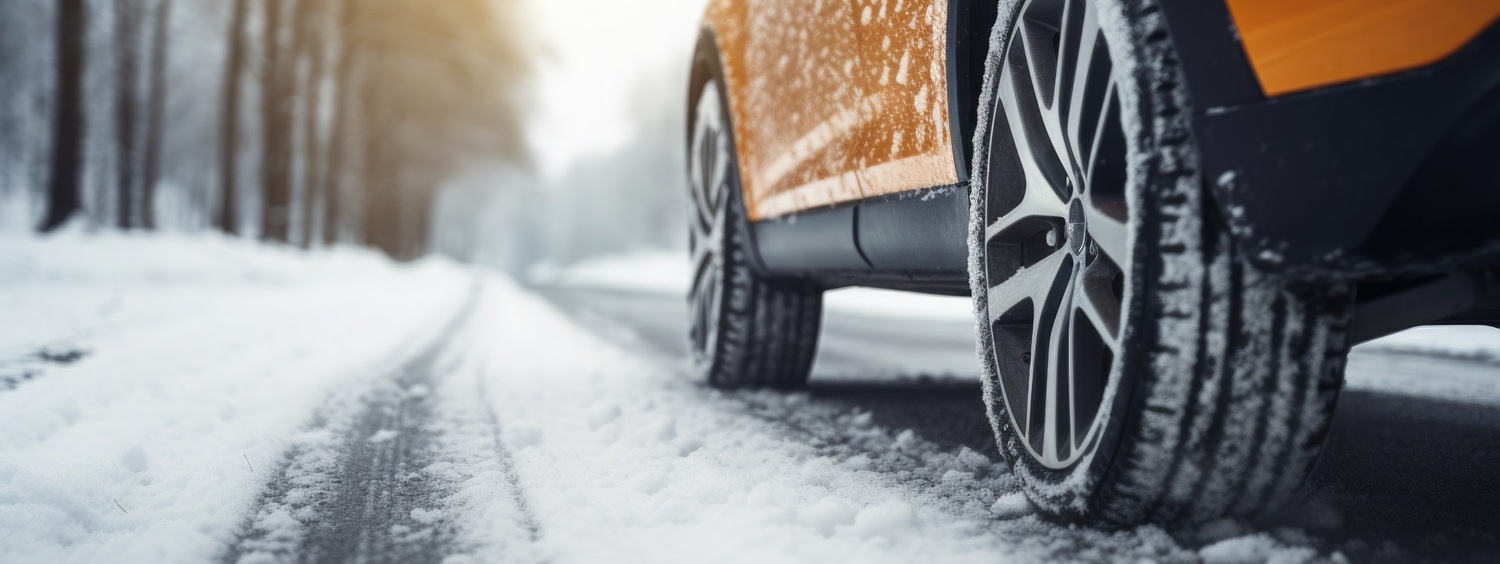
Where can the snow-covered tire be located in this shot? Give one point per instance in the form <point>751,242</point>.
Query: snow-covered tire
<point>746,329</point>
<point>1219,390</point>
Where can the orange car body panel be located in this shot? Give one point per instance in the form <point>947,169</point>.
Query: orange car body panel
<point>1296,45</point>
<point>840,100</point>
<point>835,100</point>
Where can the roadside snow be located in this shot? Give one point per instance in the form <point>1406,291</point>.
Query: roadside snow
<point>667,272</point>
<point>1465,341</point>
<point>649,271</point>
<point>1450,352</point>
<point>198,361</point>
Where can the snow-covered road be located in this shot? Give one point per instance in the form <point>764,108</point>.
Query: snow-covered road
<point>171,400</point>
<point>1409,471</point>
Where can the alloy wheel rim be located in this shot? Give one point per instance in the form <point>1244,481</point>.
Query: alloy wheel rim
<point>1055,241</point>
<point>708,162</point>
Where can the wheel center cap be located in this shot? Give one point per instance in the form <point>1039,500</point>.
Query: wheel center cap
<point>1077,229</point>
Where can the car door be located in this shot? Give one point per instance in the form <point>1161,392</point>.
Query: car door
<point>797,114</point>
<point>906,143</point>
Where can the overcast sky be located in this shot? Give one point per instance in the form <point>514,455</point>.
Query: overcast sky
<point>596,52</point>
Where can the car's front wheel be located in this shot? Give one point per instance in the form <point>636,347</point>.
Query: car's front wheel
<point>1136,366</point>
<point>746,329</point>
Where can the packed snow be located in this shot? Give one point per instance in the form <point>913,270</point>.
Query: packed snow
<point>192,399</point>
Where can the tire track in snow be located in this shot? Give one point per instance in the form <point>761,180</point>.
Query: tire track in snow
<point>358,484</point>
<point>508,465</point>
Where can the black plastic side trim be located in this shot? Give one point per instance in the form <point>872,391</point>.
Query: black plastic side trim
<point>926,230</point>
<point>914,241</point>
<point>1387,307</point>
<point>940,283</point>
<point>798,244</point>
<point>1307,179</point>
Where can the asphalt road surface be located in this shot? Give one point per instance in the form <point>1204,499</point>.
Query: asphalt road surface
<point>1420,471</point>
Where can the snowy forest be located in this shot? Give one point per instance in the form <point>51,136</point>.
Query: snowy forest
<point>296,122</point>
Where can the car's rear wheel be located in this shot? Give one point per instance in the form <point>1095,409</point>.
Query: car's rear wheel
<point>746,329</point>
<point>1137,368</point>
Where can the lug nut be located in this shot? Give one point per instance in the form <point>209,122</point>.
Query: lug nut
<point>1026,357</point>
<point>1051,236</point>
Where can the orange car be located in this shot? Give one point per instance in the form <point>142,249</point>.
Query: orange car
<point>1174,216</point>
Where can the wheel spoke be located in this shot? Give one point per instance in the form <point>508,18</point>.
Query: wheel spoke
<point>1025,117</point>
<point>702,253</point>
<point>1036,202</point>
<point>1074,348</point>
<point>700,274</point>
<point>1108,115</point>
<point>1057,370</point>
<point>1083,52</point>
<point>1044,65</point>
<point>713,175</point>
<point>1040,57</point>
<point>1110,234</point>
<point>1035,282</point>
<point>1096,299</point>
<point>701,206</point>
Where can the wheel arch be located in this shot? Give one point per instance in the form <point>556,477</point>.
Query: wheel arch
<point>970,24</point>
<point>708,64</point>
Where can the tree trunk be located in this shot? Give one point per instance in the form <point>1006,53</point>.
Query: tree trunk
<point>230,132</point>
<point>418,224</point>
<point>313,50</point>
<point>67,148</point>
<point>276,115</point>
<point>380,224</point>
<point>126,27</point>
<point>337,145</point>
<point>151,172</point>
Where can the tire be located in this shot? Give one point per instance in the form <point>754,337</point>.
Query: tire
<point>1151,373</point>
<point>747,329</point>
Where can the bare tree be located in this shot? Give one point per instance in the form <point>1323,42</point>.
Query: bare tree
<point>156,102</point>
<point>310,50</point>
<point>277,82</point>
<point>127,16</point>
<point>229,145</point>
<point>67,149</point>
<point>337,146</point>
